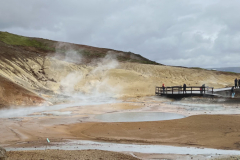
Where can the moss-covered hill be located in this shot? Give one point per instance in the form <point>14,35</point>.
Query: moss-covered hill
<point>88,53</point>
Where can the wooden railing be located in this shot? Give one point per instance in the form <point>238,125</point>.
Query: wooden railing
<point>180,90</point>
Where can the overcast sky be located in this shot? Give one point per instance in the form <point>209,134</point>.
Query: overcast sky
<point>192,33</point>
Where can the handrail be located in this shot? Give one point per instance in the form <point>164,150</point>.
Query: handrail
<point>179,89</point>
<point>187,87</point>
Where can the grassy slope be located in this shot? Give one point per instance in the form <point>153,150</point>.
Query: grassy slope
<point>89,53</point>
<point>16,40</point>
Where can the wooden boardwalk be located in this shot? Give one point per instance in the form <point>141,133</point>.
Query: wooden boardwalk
<point>178,91</point>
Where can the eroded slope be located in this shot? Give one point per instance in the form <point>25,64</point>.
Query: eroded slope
<point>12,94</point>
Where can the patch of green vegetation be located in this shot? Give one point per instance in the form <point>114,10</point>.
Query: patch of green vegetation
<point>197,68</point>
<point>13,39</point>
<point>122,58</point>
<point>93,54</point>
<point>48,48</point>
<point>229,72</point>
<point>144,62</point>
<point>85,53</point>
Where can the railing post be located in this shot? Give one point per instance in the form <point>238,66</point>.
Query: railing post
<point>191,90</point>
<point>172,90</point>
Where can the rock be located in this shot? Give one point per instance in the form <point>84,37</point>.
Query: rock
<point>2,153</point>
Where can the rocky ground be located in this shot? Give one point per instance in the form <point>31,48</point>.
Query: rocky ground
<point>68,155</point>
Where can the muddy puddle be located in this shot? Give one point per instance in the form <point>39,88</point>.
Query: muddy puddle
<point>137,116</point>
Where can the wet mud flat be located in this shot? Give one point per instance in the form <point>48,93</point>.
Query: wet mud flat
<point>207,125</point>
<point>137,116</point>
<point>208,131</point>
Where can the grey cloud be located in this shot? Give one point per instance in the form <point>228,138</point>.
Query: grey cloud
<point>198,33</point>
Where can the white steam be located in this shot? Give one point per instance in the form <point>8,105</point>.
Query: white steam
<point>67,53</point>
<point>81,89</point>
<point>80,100</point>
<point>73,56</point>
<point>95,83</point>
<point>106,63</point>
<point>69,82</point>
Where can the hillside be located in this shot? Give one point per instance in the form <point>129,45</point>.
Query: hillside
<point>87,53</point>
<point>48,68</point>
<point>227,69</point>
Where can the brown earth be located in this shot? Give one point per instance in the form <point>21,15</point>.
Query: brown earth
<point>211,131</point>
<point>102,155</point>
<point>12,94</point>
<point>68,155</point>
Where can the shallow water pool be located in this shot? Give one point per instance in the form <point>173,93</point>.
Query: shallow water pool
<point>137,116</point>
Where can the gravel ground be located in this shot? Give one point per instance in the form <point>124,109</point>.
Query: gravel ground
<point>228,158</point>
<point>68,155</point>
